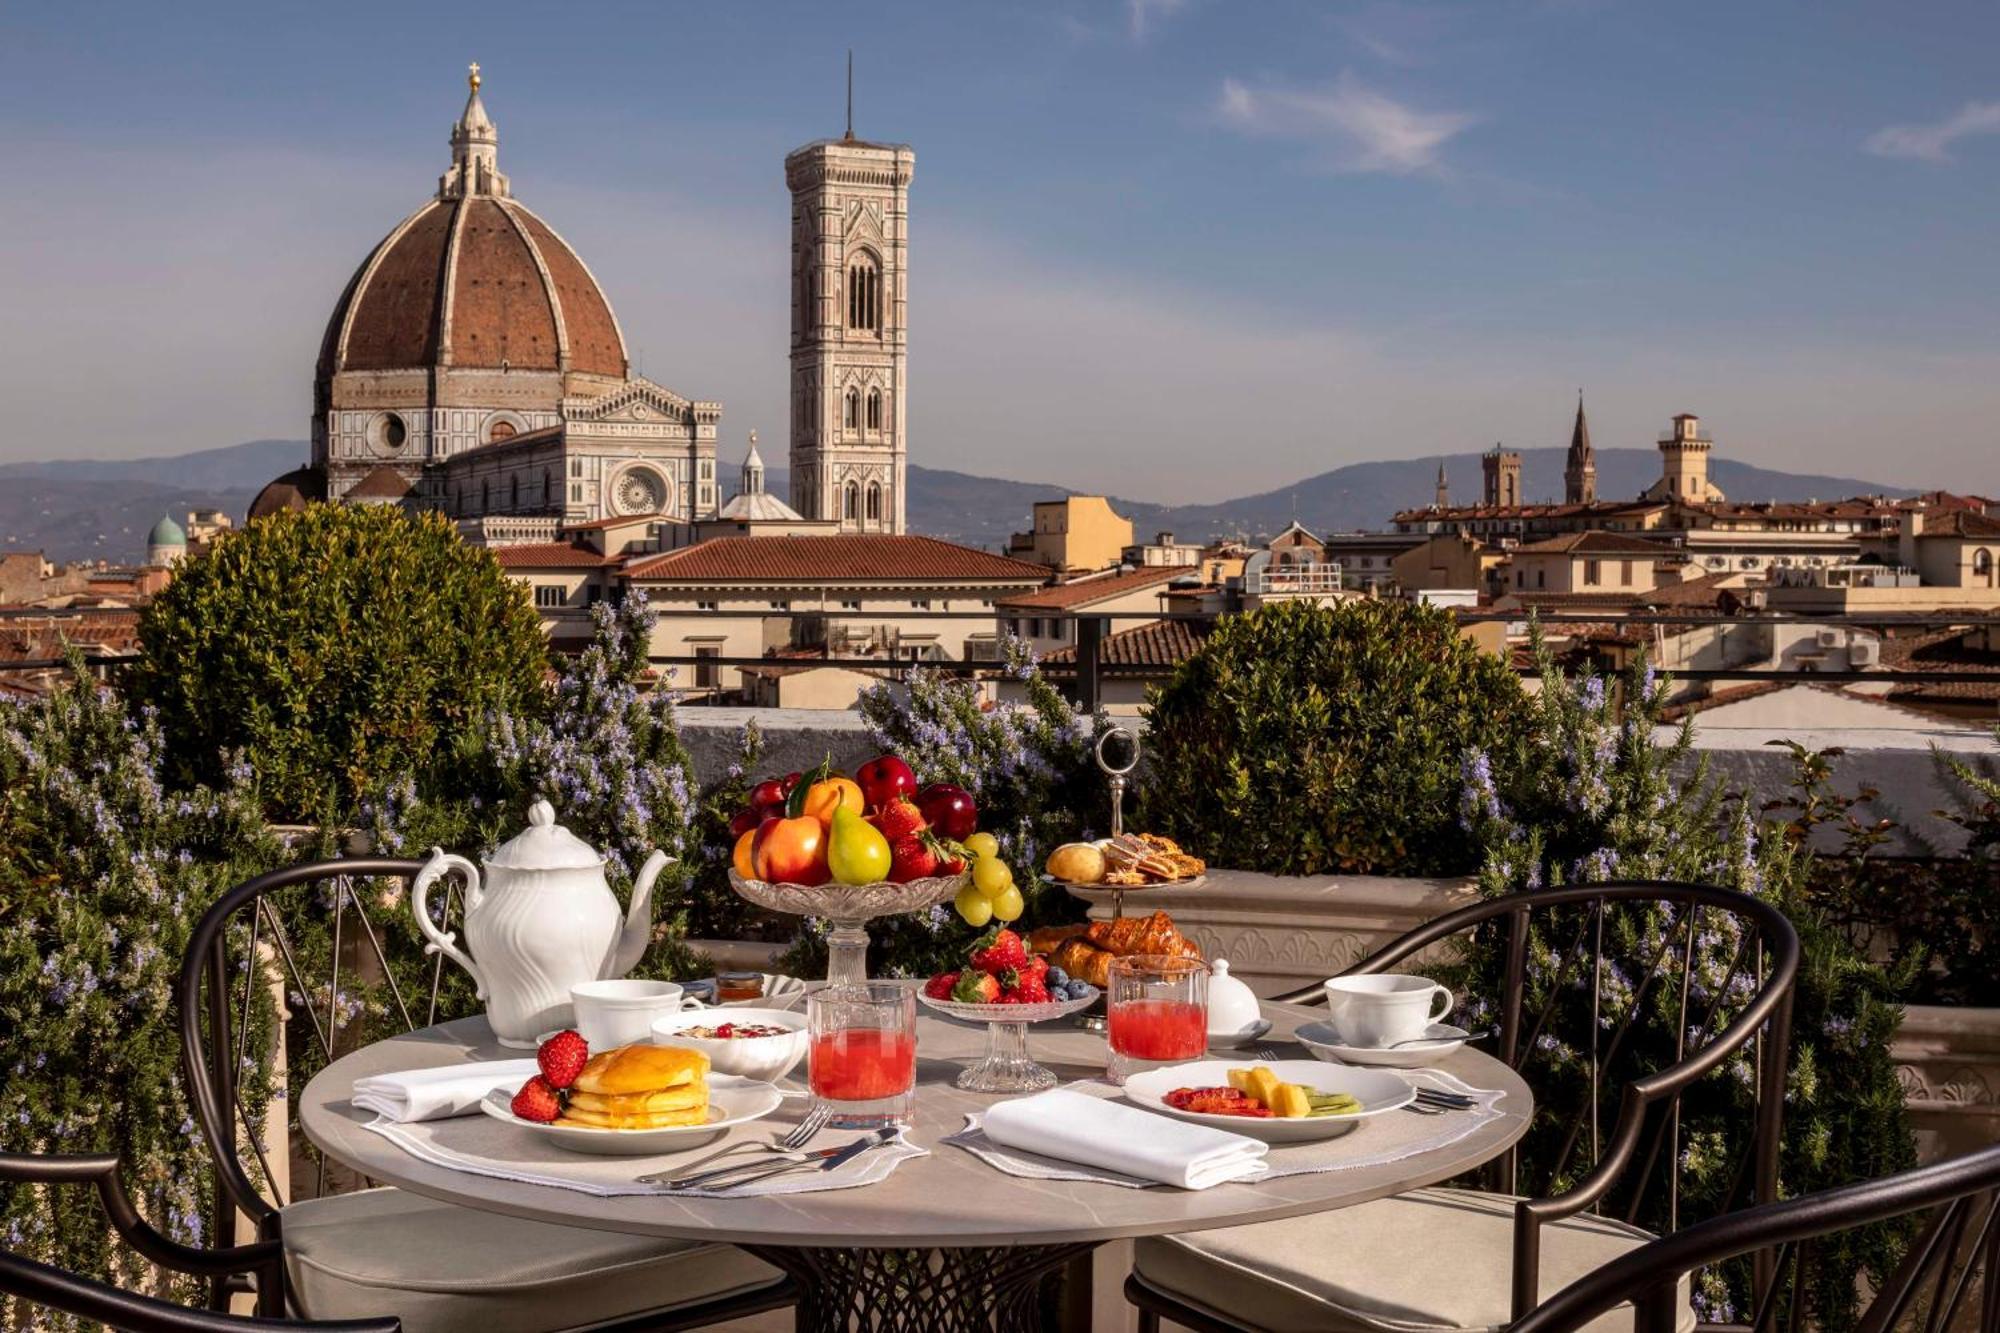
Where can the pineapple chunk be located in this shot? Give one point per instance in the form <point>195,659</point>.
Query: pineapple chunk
<point>1264,1085</point>
<point>1290,1101</point>
<point>1239,1079</point>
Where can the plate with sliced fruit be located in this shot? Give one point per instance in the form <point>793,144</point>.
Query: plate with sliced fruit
<point>1285,1101</point>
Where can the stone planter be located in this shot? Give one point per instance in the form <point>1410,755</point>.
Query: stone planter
<point>1282,932</point>
<point>1948,1061</point>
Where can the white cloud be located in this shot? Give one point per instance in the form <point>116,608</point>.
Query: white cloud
<point>1932,143</point>
<point>1363,129</point>
<point>1142,14</point>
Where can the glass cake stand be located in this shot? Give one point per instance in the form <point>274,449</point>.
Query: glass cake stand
<point>850,907</point>
<point>1006,1066</point>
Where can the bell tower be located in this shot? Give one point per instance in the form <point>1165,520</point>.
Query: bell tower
<point>850,236</point>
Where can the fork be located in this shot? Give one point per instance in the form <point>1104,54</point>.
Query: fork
<point>797,1138</point>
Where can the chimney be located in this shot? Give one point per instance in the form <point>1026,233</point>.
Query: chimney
<point>1906,541</point>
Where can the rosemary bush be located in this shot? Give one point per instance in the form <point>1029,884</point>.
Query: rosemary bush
<point>105,872</point>
<point>1593,797</point>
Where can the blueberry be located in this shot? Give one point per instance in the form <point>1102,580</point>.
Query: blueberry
<point>1058,977</point>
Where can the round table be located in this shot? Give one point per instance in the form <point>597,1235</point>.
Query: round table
<point>945,1240</point>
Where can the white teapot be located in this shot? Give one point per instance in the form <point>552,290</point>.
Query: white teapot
<point>543,920</point>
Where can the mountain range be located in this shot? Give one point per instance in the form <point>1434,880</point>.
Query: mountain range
<point>101,509</point>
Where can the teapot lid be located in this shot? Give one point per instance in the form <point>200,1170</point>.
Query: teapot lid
<point>545,845</point>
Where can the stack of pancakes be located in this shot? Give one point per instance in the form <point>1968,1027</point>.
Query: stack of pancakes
<point>640,1087</point>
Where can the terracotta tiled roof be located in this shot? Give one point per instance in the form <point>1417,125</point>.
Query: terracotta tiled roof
<point>31,638</point>
<point>1162,643</point>
<point>860,559</point>
<point>382,483</point>
<point>1572,601</point>
<point>1084,591</point>
<point>1961,523</point>
<point>1707,593</point>
<point>1597,542</point>
<point>295,490</point>
<point>550,555</point>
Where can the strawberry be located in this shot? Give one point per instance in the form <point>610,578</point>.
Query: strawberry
<point>940,986</point>
<point>1032,989</point>
<point>976,988</point>
<point>910,858</point>
<point>900,819</point>
<point>998,950</point>
<point>537,1101</point>
<point>562,1058</point>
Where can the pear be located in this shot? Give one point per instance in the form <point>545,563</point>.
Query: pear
<point>856,852</point>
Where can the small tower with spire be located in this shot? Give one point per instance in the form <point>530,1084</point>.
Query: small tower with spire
<point>475,150</point>
<point>1443,498</point>
<point>1580,469</point>
<point>753,470</point>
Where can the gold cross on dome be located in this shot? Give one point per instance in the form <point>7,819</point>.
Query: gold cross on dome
<point>473,75</point>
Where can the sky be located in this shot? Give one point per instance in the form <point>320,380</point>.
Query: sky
<point>1178,250</point>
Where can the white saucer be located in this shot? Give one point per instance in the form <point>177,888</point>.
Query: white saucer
<point>1232,1041</point>
<point>1440,1040</point>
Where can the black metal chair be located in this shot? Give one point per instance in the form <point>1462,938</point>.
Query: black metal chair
<point>1959,1242</point>
<point>438,1266</point>
<point>46,1287</point>
<point>1341,1270</point>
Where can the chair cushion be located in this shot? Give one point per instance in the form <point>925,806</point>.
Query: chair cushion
<point>442,1267</point>
<point>1422,1262</point>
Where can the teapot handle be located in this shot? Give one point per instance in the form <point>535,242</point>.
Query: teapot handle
<point>445,941</point>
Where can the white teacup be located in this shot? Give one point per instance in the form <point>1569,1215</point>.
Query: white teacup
<point>621,1013</point>
<point>1385,1008</point>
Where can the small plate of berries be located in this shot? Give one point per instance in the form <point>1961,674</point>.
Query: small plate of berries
<point>1004,987</point>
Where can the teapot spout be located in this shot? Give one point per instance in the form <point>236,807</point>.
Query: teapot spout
<point>638,931</point>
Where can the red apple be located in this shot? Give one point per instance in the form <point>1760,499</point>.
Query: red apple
<point>744,821</point>
<point>768,794</point>
<point>949,810</point>
<point>884,779</point>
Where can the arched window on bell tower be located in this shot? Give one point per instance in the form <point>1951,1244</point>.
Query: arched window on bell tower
<point>864,294</point>
<point>852,510</point>
<point>874,502</point>
<point>851,415</point>
<point>874,409</point>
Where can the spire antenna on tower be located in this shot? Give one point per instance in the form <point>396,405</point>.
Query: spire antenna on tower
<point>850,92</point>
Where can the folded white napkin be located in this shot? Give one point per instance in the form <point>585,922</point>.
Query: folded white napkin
<point>436,1094</point>
<point>1075,1127</point>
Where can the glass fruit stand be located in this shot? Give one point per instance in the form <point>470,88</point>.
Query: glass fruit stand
<point>849,908</point>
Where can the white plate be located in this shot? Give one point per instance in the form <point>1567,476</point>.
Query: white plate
<point>1376,1091</point>
<point>731,1101</point>
<point>1233,1041</point>
<point>1441,1039</point>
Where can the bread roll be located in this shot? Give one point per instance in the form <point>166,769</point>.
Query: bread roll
<point>630,1069</point>
<point>641,1103</point>
<point>576,1115</point>
<point>1077,863</point>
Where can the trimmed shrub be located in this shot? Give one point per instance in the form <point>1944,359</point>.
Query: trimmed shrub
<point>1303,739</point>
<point>337,649</point>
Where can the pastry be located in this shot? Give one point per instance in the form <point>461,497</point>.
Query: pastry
<point>642,1068</point>
<point>640,1087</point>
<point>1047,939</point>
<point>1076,863</point>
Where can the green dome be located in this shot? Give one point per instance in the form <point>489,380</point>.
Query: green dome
<point>166,533</point>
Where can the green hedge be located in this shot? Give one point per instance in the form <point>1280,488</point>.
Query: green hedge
<point>1302,739</point>
<point>337,648</point>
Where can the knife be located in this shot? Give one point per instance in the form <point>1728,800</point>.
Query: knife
<point>825,1159</point>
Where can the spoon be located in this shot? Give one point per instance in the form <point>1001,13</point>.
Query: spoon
<point>1426,1041</point>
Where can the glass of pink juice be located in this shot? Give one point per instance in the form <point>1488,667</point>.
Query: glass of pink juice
<point>1157,1011</point>
<point>862,1056</point>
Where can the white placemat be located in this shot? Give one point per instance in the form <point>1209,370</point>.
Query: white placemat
<point>1379,1140</point>
<point>483,1146</point>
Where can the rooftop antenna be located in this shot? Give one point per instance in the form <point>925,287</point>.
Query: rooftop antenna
<point>850,94</point>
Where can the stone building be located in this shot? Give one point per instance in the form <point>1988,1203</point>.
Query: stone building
<point>850,239</point>
<point>473,365</point>
<point>1684,450</point>
<point>1580,467</point>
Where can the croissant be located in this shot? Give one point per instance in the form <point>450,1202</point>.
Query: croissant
<point>1153,934</point>
<point>1047,939</point>
<point>1083,962</point>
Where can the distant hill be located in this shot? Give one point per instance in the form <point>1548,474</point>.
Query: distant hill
<point>73,509</point>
